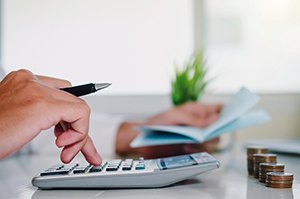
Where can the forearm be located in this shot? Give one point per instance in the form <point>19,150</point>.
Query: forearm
<point>126,133</point>
<point>14,133</point>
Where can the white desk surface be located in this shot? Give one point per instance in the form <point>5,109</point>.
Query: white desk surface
<point>230,181</point>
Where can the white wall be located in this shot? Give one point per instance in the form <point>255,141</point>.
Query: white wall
<point>131,43</point>
<point>134,43</point>
<point>254,43</point>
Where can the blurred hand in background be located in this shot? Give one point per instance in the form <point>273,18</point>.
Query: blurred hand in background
<point>188,114</point>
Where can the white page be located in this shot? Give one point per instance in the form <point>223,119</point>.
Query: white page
<point>238,105</point>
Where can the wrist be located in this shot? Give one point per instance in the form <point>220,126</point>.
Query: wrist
<point>126,133</point>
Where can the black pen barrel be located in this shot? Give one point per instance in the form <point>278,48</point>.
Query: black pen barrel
<point>80,90</point>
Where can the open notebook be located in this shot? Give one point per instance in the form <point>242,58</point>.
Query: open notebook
<point>235,114</point>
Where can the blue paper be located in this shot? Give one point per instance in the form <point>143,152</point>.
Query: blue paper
<point>235,114</point>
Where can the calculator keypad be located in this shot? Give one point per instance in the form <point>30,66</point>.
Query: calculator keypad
<point>126,173</point>
<point>59,170</point>
<point>114,165</point>
<point>130,165</point>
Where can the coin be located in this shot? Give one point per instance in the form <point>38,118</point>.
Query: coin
<point>253,150</point>
<point>264,168</point>
<point>256,149</point>
<point>262,158</point>
<point>279,180</point>
<point>280,176</point>
<point>280,186</point>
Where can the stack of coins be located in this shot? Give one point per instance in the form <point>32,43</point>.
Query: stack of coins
<point>262,158</point>
<point>253,150</point>
<point>279,180</point>
<point>265,168</point>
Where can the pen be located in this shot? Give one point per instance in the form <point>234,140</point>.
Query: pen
<point>85,88</point>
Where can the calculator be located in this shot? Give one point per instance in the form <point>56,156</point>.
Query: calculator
<point>128,173</point>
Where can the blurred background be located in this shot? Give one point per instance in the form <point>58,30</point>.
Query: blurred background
<point>136,44</point>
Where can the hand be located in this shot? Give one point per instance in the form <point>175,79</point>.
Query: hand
<point>31,103</point>
<point>189,114</point>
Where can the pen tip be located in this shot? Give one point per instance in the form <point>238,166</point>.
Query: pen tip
<point>99,86</point>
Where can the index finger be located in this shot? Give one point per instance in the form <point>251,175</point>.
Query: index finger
<point>90,152</point>
<point>54,82</point>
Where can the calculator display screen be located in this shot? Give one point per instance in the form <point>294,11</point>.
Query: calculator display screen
<point>177,162</point>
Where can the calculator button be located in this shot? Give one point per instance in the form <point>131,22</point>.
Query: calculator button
<point>55,167</point>
<point>80,169</point>
<point>115,162</point>
<point>140,167</point>
<point>126,168</point>
<point>113,165</point>
<point>112,168</point>
<point>202,158</point>
<point>59,170</point>
<point>127,164</point>
<point>55,172</point>
<point>128,161</point>
<point>97,168</point>
<point>68,167</point>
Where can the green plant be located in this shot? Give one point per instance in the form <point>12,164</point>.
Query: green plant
<point>189,83</point>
